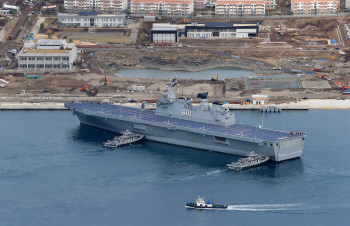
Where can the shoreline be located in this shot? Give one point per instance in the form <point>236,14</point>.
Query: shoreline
<point>302,105</point>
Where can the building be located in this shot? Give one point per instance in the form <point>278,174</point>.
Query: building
<point>239,8</point>
<point>5,12</point>
<point>260,99</point>
<point>164,33</point>
<point>221,30</point>
<point>199,4</point>
<point>181,8</point>
<point>47,54</point>
<point>100,6</point>
<point>91,19</point>
<point>314,6</point>
<point>49,10</point>
<point>347,3</point>
<point>11,7</point>
<point>270,4</point>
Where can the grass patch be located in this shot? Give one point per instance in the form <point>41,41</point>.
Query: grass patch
<point>48,22</point>
<point>103,39</point>
<point>25,21</point>
<point>19,31</point>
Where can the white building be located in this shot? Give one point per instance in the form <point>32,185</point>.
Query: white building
<point>100,6</point>
<point>91,19</point>
<point>47,54</point>
<point>239,8</point>
<point>314,6</point>
<point>162,7</point>
<point>10,7</point>
<point>347,3</point>
<point>260,99</point>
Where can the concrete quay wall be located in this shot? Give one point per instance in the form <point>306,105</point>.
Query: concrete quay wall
<point>31,106</point>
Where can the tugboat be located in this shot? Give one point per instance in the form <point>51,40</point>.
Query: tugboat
<point>127,138</point>
<point>201,204</point>
<point>251,160</point>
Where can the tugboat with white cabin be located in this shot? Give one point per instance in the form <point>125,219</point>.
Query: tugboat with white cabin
<point>201,204</point>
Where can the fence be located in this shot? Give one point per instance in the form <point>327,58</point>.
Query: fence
<point>246,16</point>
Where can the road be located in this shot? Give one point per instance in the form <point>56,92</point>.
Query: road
<point>344,37</point>
<point>11,44</point>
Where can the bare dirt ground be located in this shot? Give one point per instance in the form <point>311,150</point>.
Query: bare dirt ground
<point>270,48</point>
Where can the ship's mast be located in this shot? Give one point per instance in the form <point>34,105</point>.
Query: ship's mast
<point>172,83</point>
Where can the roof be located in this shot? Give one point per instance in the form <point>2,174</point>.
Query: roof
<point>235,2</point>
<point>164,29</point>
<point>219,24</point>
<point>46,51</point>
<point>255,96</point>
<point>51,42</point>
<point>87,13</point>
<point>162,1</point>
<point>50,7</point>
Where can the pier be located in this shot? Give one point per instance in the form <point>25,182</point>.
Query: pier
<point>32,106</point>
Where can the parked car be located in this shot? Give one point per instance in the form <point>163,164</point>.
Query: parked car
<point>318,49</point>
<point>325,48</point>
<point>308,49</point>
<point>336,48</point>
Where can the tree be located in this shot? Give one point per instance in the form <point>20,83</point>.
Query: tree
<point>127,11</point>
<point>42,26</point>
<point>64,37</point>
<point>48,35</point>
<point>61,9</point>
<point>70,40</point>
<point>59,36</point>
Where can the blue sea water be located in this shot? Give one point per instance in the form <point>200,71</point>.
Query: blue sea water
<point>54,171</point>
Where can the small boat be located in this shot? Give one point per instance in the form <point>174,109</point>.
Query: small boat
<point>126,138</point>
<point>201,204</point>
<point>251,160</point>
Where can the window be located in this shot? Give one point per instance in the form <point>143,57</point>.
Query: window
<point>39,58</point>
<point>48,58</point>
<point>56,58</point>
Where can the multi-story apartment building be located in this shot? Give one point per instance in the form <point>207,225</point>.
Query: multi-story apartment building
<point>162,7</point>
<point>198,4</point>
<point>91,19</point>
<point>100,6</point>
<point>239,8</point>
<point>270,4</point>
<point>347,3</point>
<point>314,6</point>
<point>47,54</point>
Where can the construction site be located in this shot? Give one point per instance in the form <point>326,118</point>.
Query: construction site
<point>291,59</point>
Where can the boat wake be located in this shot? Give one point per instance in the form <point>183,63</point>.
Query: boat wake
<point>271,207</point>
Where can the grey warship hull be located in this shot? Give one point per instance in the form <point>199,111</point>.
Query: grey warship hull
<point>235,139</point>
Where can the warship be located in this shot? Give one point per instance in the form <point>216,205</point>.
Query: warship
<point>178,121</point>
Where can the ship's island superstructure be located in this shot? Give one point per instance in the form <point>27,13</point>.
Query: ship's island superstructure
<point>177,121</point>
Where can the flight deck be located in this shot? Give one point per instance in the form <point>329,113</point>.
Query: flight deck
<point>237,130</point>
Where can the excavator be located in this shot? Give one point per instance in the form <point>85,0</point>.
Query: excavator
<point>84,89</point>
<point>343,86</point>
<point>321,76</point>
<point>91,93</point>
<point>106,81</point>
<point>215,77</point>
<point>186,21</point>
